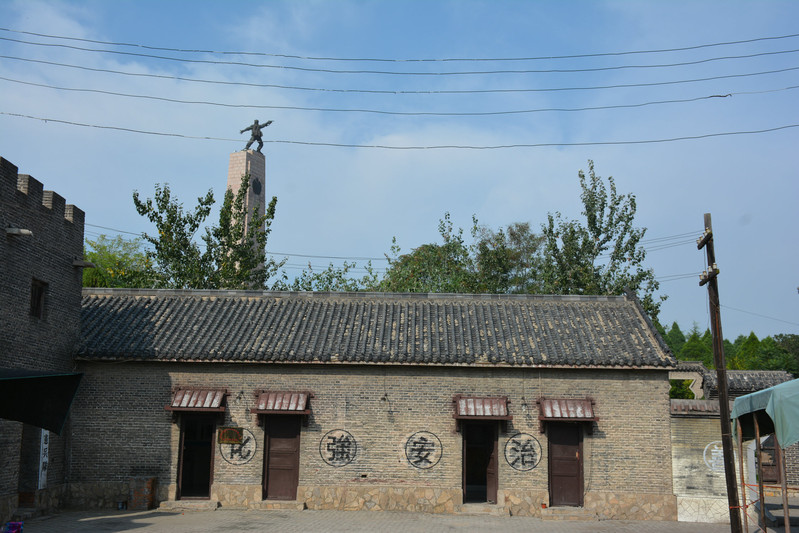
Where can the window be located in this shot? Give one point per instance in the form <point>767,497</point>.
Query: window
<point>38,294</point>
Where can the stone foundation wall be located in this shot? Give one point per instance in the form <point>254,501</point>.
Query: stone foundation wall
<point>709,510</point>
<point>381,498</point>
<point>522,503</point>
<point>236,496</point>
<point>631,506</point>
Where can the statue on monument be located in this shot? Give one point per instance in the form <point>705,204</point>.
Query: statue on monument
<point>255,134</point>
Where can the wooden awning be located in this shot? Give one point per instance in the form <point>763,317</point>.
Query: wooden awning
<point>566,410</point>
<point>481,408</point>
<point>198,400</point>
<point>282,403</point>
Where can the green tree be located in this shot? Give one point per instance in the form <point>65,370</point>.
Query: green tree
<point>118,262</point>
<point>237,251</point>
<point>508,260</point>
<point>695,349</point>
<point>790,343</point>
<point>446,267</point>
<point>233,257</point>
<point>747,354</point>
<point>333,279</point>
<point>601,256</point>
<point>675,338</point>
<point>681,388</point>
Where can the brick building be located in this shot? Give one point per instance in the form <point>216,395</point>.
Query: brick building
<point>41,247</point>
<point>373,401</point>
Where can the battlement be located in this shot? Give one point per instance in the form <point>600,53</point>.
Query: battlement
<point>21,192</point>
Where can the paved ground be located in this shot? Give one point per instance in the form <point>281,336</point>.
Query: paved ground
<point>337,521</point>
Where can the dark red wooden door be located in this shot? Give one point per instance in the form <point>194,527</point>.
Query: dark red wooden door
<point>565,464</point>
<point>282,457</point>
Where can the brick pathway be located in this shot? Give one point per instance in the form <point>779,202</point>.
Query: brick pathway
<point>336,521</point>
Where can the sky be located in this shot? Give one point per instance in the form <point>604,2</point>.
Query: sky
<point>387,115</point>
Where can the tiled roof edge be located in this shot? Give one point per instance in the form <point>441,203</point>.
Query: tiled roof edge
<point>630,295</point>
<point>100,291</point>
<point>117,360</point>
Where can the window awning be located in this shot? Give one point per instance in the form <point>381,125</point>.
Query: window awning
<point>198,400</point>
<point>566,410</point>
<point>282,403</point>
<point>479,408</point>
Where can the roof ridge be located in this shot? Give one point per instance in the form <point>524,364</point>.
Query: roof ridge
<point>107,291</point>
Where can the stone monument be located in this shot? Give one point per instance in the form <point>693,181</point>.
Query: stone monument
<point>253,163</point>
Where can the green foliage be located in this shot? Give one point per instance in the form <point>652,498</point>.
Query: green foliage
<point>780,352</point>
<point>502,261</point>
<point>509,260</point>
<point>601,256</point>
<point>333,279</point>
<point>234,256</point>
<point>681,388</point>
<point>696,348</point>
<point>675,338</point>
<point>235,250</point>
<point>446,267</point>
<point>118,262</point>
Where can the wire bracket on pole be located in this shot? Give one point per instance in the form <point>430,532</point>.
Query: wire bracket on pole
<point>711,272</point>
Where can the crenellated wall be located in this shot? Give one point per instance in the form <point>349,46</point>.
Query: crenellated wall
<point>45,251</point>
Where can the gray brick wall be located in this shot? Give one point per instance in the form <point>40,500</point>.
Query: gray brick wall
<point>120,428</point>
<point>44,343</point>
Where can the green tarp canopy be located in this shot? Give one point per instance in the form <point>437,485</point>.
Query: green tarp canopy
<point>776,409</point>
<point>36,397</point>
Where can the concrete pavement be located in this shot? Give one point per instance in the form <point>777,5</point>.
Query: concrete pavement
<point>336,521</point>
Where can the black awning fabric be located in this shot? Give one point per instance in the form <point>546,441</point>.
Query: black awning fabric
<point>37,397</point>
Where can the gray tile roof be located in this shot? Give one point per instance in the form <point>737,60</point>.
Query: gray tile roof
<point>699,408</point>
<point>442,329</point>
<point>742,382</point>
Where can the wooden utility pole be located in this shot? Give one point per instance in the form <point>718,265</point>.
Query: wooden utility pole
<point>709,277</point>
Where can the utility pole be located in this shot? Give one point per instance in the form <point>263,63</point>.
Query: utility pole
<point>708,277</point>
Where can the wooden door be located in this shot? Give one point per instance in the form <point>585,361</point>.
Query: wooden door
<point>282,457</point>
<point>480,462</point>
<point>196,463</point>
<point>565,464</point>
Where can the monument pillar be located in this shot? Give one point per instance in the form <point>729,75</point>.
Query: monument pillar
<point>253,163</point>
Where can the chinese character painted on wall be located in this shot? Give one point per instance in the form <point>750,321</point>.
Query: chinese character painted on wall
<point>523,452</point>
<point>714,456</point>
<point>338,448</point>
<point>423,450</point>
<point>239,453</point>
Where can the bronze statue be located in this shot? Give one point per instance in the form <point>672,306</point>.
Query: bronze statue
<point>255,134</point>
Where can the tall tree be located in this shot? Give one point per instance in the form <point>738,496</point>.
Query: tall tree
<point>118,262</point>
<point>333,278</point>
<point>446,267</point>
<point>675,338</point>
<point>601,255</point>
<point>233,257</point>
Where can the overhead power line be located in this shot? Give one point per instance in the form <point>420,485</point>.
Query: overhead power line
<point>405,73</point>
<point>761,316</point>
<point>404,60</point>
<point>431,147</point>
<point>402,92</point>
<point>387,112</point>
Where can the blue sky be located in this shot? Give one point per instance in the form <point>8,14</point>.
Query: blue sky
<point>345,201</point>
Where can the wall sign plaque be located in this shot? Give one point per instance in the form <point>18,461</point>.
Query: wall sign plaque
<point>228,435</point>
<point>241,452</point>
